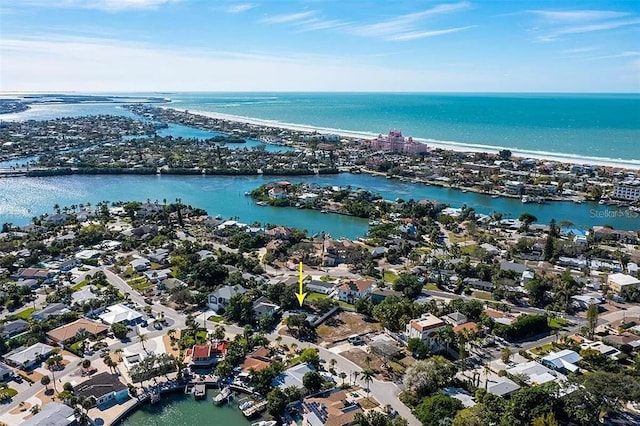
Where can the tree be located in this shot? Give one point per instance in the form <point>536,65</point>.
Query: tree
<point>527,219</point>
<point>376,418</point>
<point>277,402</point>
<point>545,420</point>
<point>505,355</point>
<point>473,416</point>
<point>35,409</point>
<point>408,284</point>
<point>45,380</point>
<point>367,376</point>
<point>143,338</point>
<point>311,356</point>
<point>343,376</point>
<point>240,309</point>
<point>418,348</point>
<point>313,381</point>
<point>504,154</point>
<point>592,319</point>
<point>434,409</point>
<point>119,331</point>
<point>219,332</point>
<point>526,404</point>
<point>425,377</point>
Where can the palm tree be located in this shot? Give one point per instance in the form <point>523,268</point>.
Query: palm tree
<point>172,334</point>
<point>355,377</point>
<point>367,360</point>
<point>367,376</point>
<point>143,338</point>
<point>36,408</point>
<point>343,376</point>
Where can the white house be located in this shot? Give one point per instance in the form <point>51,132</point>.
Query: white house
<point>26,358</point>
<point>121,314</point>
<point>564,360</point>
<point>621,283</point>
<point>318,286</point>
<point>141,264</point>
<point>535,373</point>
<point>425,328</point>
<point>352,290</point>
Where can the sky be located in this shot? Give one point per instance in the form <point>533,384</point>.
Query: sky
<point>320,45</point>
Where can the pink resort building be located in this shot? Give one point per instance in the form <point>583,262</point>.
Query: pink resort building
<point>395,142</point>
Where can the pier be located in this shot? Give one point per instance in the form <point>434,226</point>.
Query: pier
<point>199,390</point>
<point>255,408</point>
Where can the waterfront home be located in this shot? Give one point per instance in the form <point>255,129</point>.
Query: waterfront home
<point>318,286</point>
<point>277,193</point>
<point>563,361</point>
<point>211,353</point>
<point>51,310</point>
<point>337,408</point>
<point>256,360</point>
<point>121,314</point>
<point>621,283</point>
<point>262,307</point>
<point>13,328</point>
<point>351,290</point>
<point>279,232</point>
<point>76,330</point>
<point>52,414</point>
<point>105,388</point>
<point>535,373</point>
<point>425,328</point>
<point>26,358</point>
<point>292,376</point>
<point>220,298</point>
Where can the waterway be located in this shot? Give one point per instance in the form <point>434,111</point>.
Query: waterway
<point>23,198</point>
<point>177,409</point>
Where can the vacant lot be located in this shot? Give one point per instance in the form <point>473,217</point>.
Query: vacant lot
<point>343,325</point>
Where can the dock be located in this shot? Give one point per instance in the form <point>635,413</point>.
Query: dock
<point>199,391</point>
<point>255,408</point>
<point>223,396</point>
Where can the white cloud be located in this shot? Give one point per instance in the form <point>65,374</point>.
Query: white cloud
<point>627,54</point>
<point>424,34</point>
<point>578,50</point>
<point>401,24</point>
<point>315,24</point>
<point>239,8</point>
<point>603,26</point>
<point>288,18</point>
<point>577,15</point>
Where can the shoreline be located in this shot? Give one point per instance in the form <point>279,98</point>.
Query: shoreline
<point>434,144</point>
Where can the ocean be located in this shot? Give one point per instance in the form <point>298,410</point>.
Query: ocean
<point>579,126</point>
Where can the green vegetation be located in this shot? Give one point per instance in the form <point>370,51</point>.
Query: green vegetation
<point>80,285</point>
<point>25,314</point>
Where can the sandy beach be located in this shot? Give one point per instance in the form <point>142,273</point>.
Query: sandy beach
<point>449,145</point>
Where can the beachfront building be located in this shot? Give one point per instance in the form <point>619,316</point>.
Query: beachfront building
<point>425,328</point>
<point>396,143</point>
<point>626,192</point>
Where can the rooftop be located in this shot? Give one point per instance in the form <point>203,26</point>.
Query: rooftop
<point>99,385</point>
<point>427,322</point>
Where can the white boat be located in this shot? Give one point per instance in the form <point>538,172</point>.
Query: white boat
<point>526,199</point>
<point>577,201</point>
<point>222,396</point>
<point>265,423</point>
<point>602,202</point>
<point>495,196</point>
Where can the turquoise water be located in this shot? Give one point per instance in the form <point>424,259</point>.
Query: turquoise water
<point>23,198</point>
<point>177,409</point>
<point>593,125</point>
<point>605,126</point>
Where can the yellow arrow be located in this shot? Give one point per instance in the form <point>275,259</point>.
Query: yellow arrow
<point>301,295</point>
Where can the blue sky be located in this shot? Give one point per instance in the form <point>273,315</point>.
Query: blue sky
<point>314,45</point>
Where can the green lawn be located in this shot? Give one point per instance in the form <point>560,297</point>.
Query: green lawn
<point>390,277</point>
<point>312,297</point>
<point>482,295</point>
<point>79,285</point>
<point>558,323</point>
<point>345,305</point>
<point>327,278</point>
<point>431,286</point>
<point>542,350</point>
<point>139,283</point>
<point>215,318</point>
<point>25,314</point>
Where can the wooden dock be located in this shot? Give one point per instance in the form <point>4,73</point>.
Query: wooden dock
<point>255,408</point>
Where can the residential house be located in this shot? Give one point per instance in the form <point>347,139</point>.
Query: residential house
<point>563,361</point>
<point>52,414</point>
<point>76,330</point>
<point>39,274</point>
<point>256,360</point>
<point>220,298</point>
<point>30,283</point>
<point>159,256</point>
<point>121,314</point>
<point>601,347</point>
<point>106,388</point>
<point>277,193</point>
<point>503,386</point>
<point>292,376</point>
<point>583,301</point>
<point>279,232</point>
<point>26,358</point>
<point>84,294</point>
<point>338,408</point>
<point>262,307</point>
<point>535,373</point>
<point>157,275</point>
<point>380,294</point>
<point>478,284</point>
<point>51,310</point>
<point>318,286</point>
<point>455,318</point>
<point>621,283</point>
<point>141,264</point>
<point>205,355</point>
<point>13,328</point>
<point>351,290</point>
<point>425,328</point>
<point>68,264</point>
<point>6,373</point>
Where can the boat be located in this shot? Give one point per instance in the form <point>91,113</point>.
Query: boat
<point>526,199</point>
<point>577,201</point>
<point>222,396</point>
<point>218,217</point>
<point>464,191</point>
<point>261,203</point>
<point>495,196</point>
<point>634,209</point>
<point>602,202</point>
<point>323,211</point>
<point>245,405</point>
<point>265,423</point>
